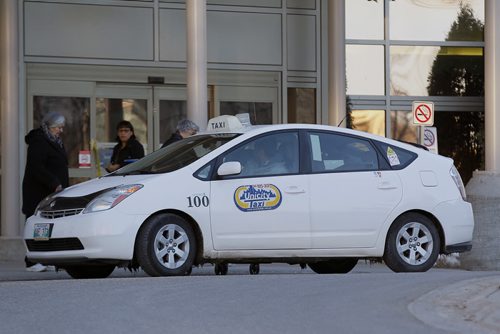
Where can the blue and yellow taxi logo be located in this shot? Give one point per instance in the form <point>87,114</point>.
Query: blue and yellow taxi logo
<point>257,197</point>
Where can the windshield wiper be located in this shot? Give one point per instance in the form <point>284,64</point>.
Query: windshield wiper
<point>136,172</point>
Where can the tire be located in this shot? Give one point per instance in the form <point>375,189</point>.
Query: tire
<point>334,266</point>
<point>412,244</point>
<point>166,246</point>
<point>90,271</point>
<point>254,269</point>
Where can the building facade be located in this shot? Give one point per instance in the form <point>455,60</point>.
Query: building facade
<point>354,63</point>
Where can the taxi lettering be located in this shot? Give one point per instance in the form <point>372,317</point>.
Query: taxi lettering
<point>218,125</point>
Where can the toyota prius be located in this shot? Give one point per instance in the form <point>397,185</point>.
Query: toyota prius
<point>291,193</point>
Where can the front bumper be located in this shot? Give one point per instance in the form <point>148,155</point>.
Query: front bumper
<point>100,236</point>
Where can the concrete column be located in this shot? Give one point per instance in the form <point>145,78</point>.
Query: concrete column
<point>9,76</point>
<point>336,62</point>
<point>492,90</point>
<point>196,11</point>
<point>483,190</point>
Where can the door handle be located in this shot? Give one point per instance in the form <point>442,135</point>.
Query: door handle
<point>386,185</point>
<point>294,190</point>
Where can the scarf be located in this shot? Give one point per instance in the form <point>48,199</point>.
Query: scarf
<point>50,136</point>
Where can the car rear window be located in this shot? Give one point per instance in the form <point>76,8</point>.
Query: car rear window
<point>397,157</point>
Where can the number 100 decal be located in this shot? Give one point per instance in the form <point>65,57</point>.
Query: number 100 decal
<point>197,201</point>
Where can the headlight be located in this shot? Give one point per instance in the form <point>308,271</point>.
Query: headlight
<point>46,201</point>
<point>458,181</point>
<point>111,198</point>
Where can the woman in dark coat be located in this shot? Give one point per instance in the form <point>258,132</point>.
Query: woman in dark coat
<point>128,148</point>
<point>46,163</point>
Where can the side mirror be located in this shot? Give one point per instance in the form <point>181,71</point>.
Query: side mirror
<point>229,168</point>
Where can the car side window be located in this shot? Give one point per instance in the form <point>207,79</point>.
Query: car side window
<point>397,157</point>
<point>275,154</point>
<point>338,153</point>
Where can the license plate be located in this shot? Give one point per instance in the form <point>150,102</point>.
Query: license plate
<point>42,231</point>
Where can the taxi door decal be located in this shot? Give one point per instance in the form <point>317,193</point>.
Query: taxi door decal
<point>257,197</point>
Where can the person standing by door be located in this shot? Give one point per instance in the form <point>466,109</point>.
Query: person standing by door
<point>128,149</point>
<point>185,128</point>
<point>46,166</point>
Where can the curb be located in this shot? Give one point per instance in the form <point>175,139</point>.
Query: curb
<point>471,306</point>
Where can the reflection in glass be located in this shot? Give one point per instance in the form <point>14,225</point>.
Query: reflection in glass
<point>372,121</point>
<point>461,137</point>
<point>171,112</point>
<point>364,19</point>
<point>260,112</point>
<point>432,20</point>
<point>302,105</point>
<point>111,111</point>
<point>76,110</point>
<point>402,127</point>
<point>430,70</point>
<point>365,70</point>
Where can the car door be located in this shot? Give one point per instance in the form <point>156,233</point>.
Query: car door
<point>266,206</point>
<point>351,196</point>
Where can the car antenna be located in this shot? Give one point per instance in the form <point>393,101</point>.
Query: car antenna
<point>342,120</point>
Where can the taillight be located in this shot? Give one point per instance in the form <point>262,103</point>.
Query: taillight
<point>458,181</point>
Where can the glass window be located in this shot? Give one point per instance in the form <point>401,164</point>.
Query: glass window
<point>260,112</point>
<point>397,157</point>
<point>76,110</point>
<point>177,155</point>
<point>372,121</point>
<point>111,111</point>
<point>302,105</point>
<point>338,153</point>
<point>437,20</point>
<point>461,137</point>
<point>171,112</point>
<point>402,127</point>
<point>275,154</point>
<point>364,19</point>
<point>437,71</point>
<point>365,70</point>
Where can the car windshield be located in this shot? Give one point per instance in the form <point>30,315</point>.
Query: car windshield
<point>176,155</point>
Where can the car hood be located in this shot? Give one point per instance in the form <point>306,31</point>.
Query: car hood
<point>102,183</point>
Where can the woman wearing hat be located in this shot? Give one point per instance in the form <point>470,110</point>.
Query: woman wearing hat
<point>128,148</point>
<point>46,167</point>
<point>46,163</point>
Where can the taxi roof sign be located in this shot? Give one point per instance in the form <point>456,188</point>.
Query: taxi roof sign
<point>225,123</point>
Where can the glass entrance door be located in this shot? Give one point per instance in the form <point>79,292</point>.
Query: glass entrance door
<point>261,103</point>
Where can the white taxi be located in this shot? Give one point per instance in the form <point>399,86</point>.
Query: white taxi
<point>293,193</point>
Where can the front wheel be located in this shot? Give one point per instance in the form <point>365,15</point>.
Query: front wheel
<point>90,271</point>
<point>412,244</point>
<point>334,266</point>
<point>166,246</point>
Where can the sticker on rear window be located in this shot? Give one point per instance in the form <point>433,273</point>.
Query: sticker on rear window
<point>257,197</point>
<point>392,156</point>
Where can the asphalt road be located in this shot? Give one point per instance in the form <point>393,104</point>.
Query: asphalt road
<point>281,299</point>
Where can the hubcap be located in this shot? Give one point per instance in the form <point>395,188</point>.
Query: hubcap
<point>171,246</point>
<point>414,243</point>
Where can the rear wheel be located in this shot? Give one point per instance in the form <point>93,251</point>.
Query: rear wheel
<point>166,246</point>
<point>412,244</point>
<point>334,266</point>
<point>90,271</point>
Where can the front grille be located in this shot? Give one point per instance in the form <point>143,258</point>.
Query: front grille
<point>54,245</point>
<point>60,213</point>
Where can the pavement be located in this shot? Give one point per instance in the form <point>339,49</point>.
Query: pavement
<point>469,306</point>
